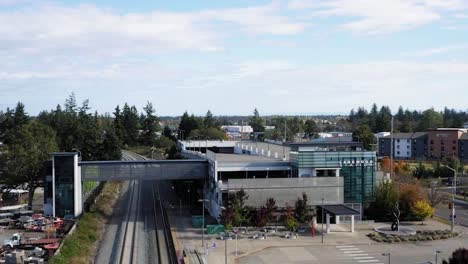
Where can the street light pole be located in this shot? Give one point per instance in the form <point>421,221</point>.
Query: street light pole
<point>203,220</point>
<point>323,211</point>
<point>225,240</point>
<point>387,255</point>
<point>454,191</point>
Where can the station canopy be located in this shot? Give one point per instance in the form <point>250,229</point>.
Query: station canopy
<point>339,209</point>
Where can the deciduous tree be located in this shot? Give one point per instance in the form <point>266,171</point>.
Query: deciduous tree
<point>23,160</point>
<point>422,210</point>
<point>364,134</point>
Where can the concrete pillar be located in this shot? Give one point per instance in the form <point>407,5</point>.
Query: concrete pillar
<point>328,223</point>
<point>352,224</point>
<point>256,150</point>
<point>263,152</point>
<point>337,172</point>
<point>337,219</point>
<point>268,154</point>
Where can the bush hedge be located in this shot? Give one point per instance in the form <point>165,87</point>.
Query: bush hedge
<point>419,236</point>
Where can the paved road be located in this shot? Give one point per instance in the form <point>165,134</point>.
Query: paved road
<point>407,253</point>
<point>461,212</point>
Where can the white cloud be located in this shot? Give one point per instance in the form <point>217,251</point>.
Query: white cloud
<point>13,2</point>
<point>91,30</point>
<point>436,51</point>
<point>382,16</point>
<point>274,86</point>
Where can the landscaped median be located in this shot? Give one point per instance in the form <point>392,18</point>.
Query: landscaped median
<point>419,236</point>
<point>80,246</point>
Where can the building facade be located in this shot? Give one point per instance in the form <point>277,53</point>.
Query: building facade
<point>337,172</point>
<point>346,160</point>
<point>443,142</point>
<point>463,148</point>
<point>419,145</point>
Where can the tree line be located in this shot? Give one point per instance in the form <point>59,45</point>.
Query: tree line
<point>405,120</point>
<point>194,127</point>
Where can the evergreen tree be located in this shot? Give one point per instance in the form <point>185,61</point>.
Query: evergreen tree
<point>110,147</point>
<point>150,125</point>
<point>209,121</point>
<point>118,124</point>
<point>430,119</point>
<point>131,125</point>
<point>188,123</point>
<point>311,129</point>
<point>384,119</point>
<point>20,117</point>
<point>256,122</point>
<point>373,116</point>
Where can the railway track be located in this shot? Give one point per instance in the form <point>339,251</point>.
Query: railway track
<point>130,242</point>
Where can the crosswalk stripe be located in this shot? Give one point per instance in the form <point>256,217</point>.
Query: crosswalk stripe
<point>368,261</point>
<point>354,251</point>
<point>350,248</point>
<point>344,246</point>
<point>363,258</point>
<point>357,255</point>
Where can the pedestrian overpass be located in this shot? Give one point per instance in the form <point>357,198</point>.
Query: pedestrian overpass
<point>143,170</point>
<point>63,187</point>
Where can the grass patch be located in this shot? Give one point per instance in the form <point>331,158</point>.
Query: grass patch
<point>89,186</point>
<point>142,150</point>
<point>441,220</point>
<point>79,247</point>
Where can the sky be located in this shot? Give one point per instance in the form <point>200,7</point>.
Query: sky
<point>280,56</point>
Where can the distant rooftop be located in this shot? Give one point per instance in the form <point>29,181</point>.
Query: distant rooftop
<point>327,143</point>
<point>243,158</point>
<point>406,135</point>
<point>448,129</point>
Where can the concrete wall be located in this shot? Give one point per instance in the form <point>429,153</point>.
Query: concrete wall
<point>206,143</point>
<point>287,190</point>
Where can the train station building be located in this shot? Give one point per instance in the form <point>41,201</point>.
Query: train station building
<point>330,173</point>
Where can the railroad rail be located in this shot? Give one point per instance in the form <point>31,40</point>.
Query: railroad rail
<point>165,245</point>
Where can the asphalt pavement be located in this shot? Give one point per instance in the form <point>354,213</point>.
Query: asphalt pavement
<point>404,253</point>
<point>461,212</point>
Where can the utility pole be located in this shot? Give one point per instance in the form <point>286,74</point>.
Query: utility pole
<point>284,153</point>
<point>391,151</point>
<point>454,192</point>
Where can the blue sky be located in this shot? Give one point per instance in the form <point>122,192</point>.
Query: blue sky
<point>283,56</point>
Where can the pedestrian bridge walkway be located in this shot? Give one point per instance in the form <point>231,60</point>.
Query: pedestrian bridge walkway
<point>143,170</point>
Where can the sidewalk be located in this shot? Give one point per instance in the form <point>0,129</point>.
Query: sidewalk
<point>189,239</point>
